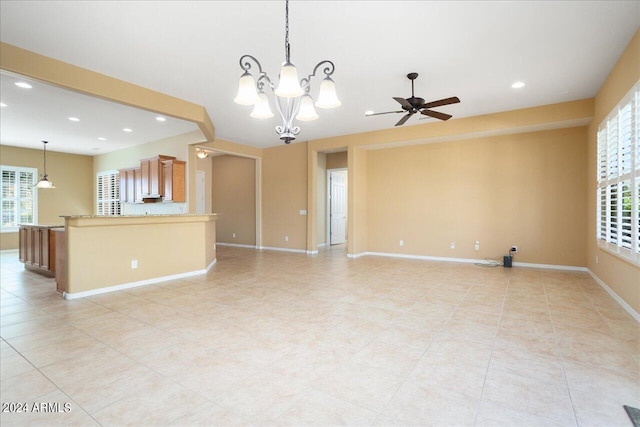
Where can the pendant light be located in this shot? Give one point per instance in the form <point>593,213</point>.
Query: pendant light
<point>44,181</point>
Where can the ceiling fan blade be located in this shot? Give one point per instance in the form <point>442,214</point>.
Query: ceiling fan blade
<point>405,104</point>
<point>404,119</point>
<point>435,114</point>
<point>441,102</point>
<point>388,112</point>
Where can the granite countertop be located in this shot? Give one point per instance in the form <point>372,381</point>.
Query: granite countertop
<point>41,225</point>
<point>134,216</point>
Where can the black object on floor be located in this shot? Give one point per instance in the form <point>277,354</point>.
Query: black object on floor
<point>634,415</point>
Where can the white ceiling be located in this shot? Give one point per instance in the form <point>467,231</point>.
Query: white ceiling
<point>562,50</point>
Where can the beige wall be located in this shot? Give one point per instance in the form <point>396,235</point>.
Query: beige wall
<point>204,165</point>
<point>620,275</point>
<point>233,190</point>
<point>71,174</point>
<point>284,194</point>
<point>337,160</point>
<point>526,189</point>
<point>321,185</point>
<point>357,203</point>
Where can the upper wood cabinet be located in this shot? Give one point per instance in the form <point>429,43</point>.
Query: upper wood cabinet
<point>152,176</point>
<point>129,188</point>
<point>157,177</point>
<point>173,172</point>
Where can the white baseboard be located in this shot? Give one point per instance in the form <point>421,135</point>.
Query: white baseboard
<point>471,261</point>
<point>312,252</point>
<point>273,248</point>
<point>236,245</point>
<point>321,245</point>
<point>358,255</point>
<point>615,296</point>
<point>84,294</point>
<point>549,266</point>
<point>8,251</point>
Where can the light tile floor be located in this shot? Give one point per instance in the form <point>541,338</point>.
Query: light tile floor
<point>273,338</point>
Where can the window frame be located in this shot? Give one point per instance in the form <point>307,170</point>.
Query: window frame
<point>17,198</point>
<point>618,179</point>
<point>113,203</point>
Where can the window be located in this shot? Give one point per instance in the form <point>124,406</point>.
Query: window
<point>19,197</point>
<point>618,196</point>
<point>108,192</point>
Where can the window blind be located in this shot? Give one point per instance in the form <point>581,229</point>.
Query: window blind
<point>19,198</point>
<point>108,193</point>
<point>618,172</point>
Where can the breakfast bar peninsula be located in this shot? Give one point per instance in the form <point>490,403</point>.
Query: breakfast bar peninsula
<point>109,253</point>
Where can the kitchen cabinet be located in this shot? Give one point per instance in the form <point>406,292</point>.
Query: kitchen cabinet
<point>152,178</point>
<point>128,186</point>
<point>173,172</point>
<point>37,247</point>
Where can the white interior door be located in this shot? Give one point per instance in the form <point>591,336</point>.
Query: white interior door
<point>200,203</point>
<point>338,207</point>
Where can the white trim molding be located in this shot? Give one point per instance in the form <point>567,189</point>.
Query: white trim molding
<point>237,245</point>
<point>76,295</point>
<point>615,296</point>
<point>273,248</point>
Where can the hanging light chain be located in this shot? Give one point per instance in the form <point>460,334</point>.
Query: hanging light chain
<point>286,31</point>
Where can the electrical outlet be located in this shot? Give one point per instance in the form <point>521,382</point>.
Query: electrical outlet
<point>234,235</point>
<point>477,245</point>
<point>514,249</point>
<point>134,263</point>
<point>453,245</point>
<point>401,242</point>
<point>596,259</point>
<point>286,238</point>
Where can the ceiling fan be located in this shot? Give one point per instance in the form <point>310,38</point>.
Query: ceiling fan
<point>415,105</point>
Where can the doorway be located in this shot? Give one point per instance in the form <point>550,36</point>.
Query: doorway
<point>337,206</point>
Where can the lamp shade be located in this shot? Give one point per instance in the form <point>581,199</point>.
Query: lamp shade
<point>202,154</point>
<point>45,183</point>
<point>261,109</point>
<point>247,93</point>
<point>327,97</point>
<point>289,86</point>
<point>306,113</point>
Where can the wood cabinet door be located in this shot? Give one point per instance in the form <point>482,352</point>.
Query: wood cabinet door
<point>137,179</point>
<point>23,238</point>
<point>45,262</point>
<point>167,177</point>
<point>145,168</point>
<point>36,243</point>
<point>122,175</point>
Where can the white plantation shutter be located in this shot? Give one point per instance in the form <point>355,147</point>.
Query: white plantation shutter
<point>108,193</point>
<point>618,172</point>
<point>19,197</point>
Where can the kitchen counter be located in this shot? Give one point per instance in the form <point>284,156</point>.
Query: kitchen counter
<point>109,253</point>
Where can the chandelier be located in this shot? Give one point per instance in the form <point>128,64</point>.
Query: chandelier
<point>292,98</point>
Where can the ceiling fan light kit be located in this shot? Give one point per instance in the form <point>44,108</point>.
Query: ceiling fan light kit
<point>292,98</point>
<point>414,105</point>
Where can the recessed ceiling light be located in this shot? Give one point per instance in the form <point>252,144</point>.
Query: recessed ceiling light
<point>368,113</point>
<point>517,85</point>
<point>74,119</point>
<point>161,119</point>
<point>127,130</point>
<point>24,85</point>
<point>102,138</point>
<point>2,104</point>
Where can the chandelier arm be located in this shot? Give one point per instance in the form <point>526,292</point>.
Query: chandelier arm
<point>328,71</point>
<point>262,77</point>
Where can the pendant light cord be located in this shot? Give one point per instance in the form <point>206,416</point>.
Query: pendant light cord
<point>45,158</point>
<point>286,30</point>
